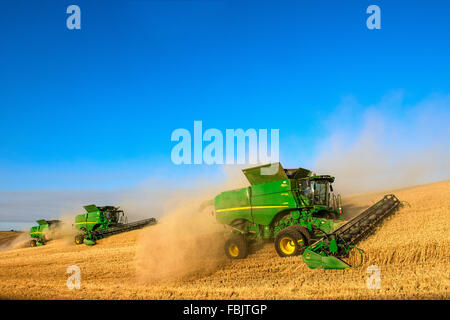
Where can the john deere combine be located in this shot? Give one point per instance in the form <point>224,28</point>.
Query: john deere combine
<point>100,222</point>
<point>42,232</point>
<point>299,212</point>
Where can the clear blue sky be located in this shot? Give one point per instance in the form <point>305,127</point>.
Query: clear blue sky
<point>95,108</point>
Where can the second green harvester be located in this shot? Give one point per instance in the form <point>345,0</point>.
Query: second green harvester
<point>299,212</point>
<point>102,221</point>
<point>42,233</point>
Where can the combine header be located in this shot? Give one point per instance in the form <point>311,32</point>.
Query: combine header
<point>328,251</point>
<point>298,211</point>
<point>100,222</point>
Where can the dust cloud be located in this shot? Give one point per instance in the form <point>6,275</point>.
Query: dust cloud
<point>187,242</point>
<point>389,145</point>
<point>21,241</point>
<point>65,230</point>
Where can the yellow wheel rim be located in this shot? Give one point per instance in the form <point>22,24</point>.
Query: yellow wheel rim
<point>233,250</point>
<point>287,245</point>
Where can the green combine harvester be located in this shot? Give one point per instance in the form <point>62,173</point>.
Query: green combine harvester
<point>42,232</point>
<point>298,211</point>
<point>100,222</point>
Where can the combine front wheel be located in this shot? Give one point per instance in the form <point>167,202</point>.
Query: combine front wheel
<point>236,247</point>
<point>33,243</point>
<point>79,239</point>
<point>304,232</point>
<point>290,242</point>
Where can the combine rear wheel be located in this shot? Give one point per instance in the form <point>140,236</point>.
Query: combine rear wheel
<point>290,242</point>
<point>236,247</point>
<point>79,239</point>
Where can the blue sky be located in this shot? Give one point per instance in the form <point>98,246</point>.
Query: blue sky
<point>94,108</point>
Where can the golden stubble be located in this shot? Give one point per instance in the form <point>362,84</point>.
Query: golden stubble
<point>411,248</point>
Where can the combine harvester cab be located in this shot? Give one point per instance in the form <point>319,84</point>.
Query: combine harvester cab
<point>290,206</point>
<point>100,222</point>
<point>41,233</point>
<point>298,211</point>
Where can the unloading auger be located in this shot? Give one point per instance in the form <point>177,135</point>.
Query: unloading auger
<point>327,252</point>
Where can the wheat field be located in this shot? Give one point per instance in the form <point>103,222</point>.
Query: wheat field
<point>411,248</point>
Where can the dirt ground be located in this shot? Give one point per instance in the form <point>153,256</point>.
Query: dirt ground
<point>411,248</point>
<point>6,237</point>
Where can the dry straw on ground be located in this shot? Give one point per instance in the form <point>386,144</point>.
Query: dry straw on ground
<point>411,248</point>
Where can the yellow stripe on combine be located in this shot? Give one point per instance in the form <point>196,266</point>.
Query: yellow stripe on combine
<point>254,207</point>
<point>86,222</point>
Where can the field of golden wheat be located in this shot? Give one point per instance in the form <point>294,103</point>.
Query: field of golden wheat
<point>411,248</point>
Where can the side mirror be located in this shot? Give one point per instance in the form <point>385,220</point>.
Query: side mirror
<point>331,187</point>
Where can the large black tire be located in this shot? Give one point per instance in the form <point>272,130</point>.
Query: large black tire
<point>305,232</point>
<point>79,239</point>
<point>290,242</point>
<point>236,247</point>
<point>33,243</point>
